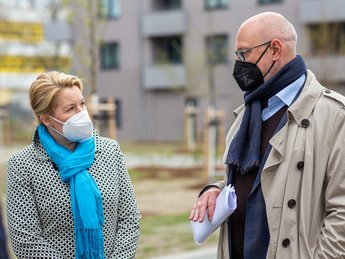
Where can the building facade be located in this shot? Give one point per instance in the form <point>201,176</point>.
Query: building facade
<point>155,57</point>
<point>25,53</point>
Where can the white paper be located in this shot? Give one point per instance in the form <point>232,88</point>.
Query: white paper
<point>225,205</point>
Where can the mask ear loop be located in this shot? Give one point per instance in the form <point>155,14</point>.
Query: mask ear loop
<point>269,69</point>
<point>58,132</point>
<point>56,120</point>
<point>263,53</point>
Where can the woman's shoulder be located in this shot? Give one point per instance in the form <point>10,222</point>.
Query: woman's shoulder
<point>107,144</point>
<point>24,154</point>
<point>22,160</point>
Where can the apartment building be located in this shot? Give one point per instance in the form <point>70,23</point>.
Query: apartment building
<point>155,57</point>
<point>24,51</point>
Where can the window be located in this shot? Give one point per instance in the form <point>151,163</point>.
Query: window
<point>217,49</point>
<point>110,9</point>
<point>327,38</point>
<point>269,1</point>
<point>109,53</point>
<point>166,4</point>
<point>192,102</point>
<point>167,50</point>
<point>216,4</point>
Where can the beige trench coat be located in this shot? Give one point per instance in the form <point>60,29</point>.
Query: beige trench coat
<point>307,166</point>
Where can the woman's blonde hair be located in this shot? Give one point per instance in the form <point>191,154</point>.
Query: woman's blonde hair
<point>44,89</point>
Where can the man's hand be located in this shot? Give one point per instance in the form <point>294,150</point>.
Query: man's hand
<point>206,201</point>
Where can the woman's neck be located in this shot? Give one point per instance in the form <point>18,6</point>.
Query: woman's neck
<point>62,140</point>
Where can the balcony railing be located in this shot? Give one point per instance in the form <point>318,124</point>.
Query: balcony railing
<point>164,77</point>
<point>163,23</point>
<point>316,11</point>
<point>328,68</point>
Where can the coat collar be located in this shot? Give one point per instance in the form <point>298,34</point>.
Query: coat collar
<point>304,105</point>
<point>239,110</point>
<point>301,109</point>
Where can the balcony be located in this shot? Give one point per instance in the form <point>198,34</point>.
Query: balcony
<point>328,68</point>
<point>317,11</point>
<point>164,77</point>
<point>164,23</point>
<point>18,80</point>
<point>57,31</point>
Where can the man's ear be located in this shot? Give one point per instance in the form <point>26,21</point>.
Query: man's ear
<point>277,47</point>
<point>46,120</point>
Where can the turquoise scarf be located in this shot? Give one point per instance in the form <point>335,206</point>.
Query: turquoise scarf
<point>86,198</point>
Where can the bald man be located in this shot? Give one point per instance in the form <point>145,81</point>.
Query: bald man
<point>285,154</point>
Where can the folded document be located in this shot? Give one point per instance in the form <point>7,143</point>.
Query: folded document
<point>225,206</point>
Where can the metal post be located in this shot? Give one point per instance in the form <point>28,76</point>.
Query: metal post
<point>111,118</point>
<point>1,130</point>
<point>190,120</point>
<point>212,142</point>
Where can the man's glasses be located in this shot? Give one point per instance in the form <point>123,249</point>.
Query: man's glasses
<point>240,53</point>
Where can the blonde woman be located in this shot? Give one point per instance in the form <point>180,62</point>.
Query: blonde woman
<point>69,194</point>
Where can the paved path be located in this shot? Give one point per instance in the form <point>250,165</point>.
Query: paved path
<point>201,253</point>
<point>175,160</point>
<point>132,160</point>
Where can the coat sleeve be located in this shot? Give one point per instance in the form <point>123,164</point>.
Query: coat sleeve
<point>331,243</point>
<point>24,222</point>
<point>129,215</point>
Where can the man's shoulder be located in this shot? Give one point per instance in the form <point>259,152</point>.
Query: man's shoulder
<point>316,87</point>
<point>334,96</point>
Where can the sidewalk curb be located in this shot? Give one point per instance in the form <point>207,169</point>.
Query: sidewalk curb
<point>202,253</point>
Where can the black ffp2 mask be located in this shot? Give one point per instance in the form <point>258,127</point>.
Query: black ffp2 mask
<point>247,75</point>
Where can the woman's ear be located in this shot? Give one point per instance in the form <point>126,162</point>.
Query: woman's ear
<point>46,120</point>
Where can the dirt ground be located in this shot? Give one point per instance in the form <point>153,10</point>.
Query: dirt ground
<point>167,191</point>
<point>165,197</point>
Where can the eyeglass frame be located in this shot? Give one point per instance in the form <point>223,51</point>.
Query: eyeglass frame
<point>240,53</point>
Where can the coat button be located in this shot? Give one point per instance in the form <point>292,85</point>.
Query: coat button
<point>305,123</point>
<point>327,91</point>
<point>300,165</point>
<point>286,242</point>
<point>292,203</point>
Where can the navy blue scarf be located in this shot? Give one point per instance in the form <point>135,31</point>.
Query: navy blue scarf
<point>244,150</point>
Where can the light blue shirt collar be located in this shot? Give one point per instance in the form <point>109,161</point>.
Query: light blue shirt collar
<point>284,97</point>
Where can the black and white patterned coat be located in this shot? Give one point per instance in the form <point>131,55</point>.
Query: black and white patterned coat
<point>39,209</point>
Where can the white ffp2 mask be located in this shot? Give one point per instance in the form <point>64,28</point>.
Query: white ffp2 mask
<point>77,128</point>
